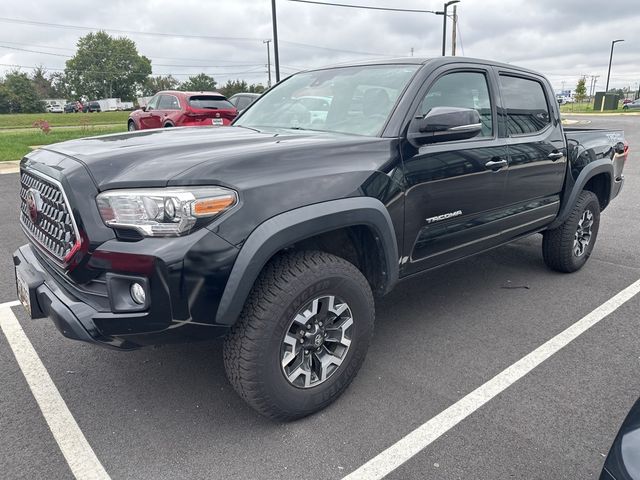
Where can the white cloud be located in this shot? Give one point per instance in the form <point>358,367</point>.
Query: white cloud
<point>563,39</point>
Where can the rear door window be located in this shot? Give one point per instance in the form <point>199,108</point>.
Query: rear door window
<point>209,102</point>
<point>527,110</point>
<point>243,102</point>
<point>168,102</point>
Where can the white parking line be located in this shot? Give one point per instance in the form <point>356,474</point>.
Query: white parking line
<point>398,453</point>
<point>14,303</point>
<point>74,446</point>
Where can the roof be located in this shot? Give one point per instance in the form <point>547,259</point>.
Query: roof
<point>436,61</point>
<point>182,92</point>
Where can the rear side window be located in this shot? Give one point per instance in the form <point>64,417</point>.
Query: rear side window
<point>168,102</point>
<point>211,102</point>
<point>526,105</point>
<point>243,102</point>
<point>462,90</point>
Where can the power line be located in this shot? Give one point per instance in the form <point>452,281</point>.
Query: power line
<point>109,72</point>
<point>365,7</point>
<point>179,35</point>
<point>35,51</point>
<point>151,57</point>
<point>117,30</point>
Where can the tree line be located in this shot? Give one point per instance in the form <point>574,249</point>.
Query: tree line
<point>102,67</point>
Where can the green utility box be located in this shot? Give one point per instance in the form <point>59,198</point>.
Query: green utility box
<point>611,101</point>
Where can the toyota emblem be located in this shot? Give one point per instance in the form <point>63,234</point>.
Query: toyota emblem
<point>34,205</point>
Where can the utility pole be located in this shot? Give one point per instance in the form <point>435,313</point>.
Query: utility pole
<point>454,30</point>
<point>268,61</point>
<point>444,24</point>
<point>412,51</point>
<point>592,88</point>
<point>275,39</point>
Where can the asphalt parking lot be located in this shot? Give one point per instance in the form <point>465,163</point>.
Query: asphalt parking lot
<point>168,412</point>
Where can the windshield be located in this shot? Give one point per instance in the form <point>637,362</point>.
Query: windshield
<point>355,100</point>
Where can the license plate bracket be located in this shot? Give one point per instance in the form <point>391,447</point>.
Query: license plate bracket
<point>27,282</point>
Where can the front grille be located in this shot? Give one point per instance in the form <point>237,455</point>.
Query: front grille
<point>53,230</point>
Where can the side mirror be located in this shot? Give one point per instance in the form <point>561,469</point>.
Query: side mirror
<point>143,108</point>
<point>443,124</point>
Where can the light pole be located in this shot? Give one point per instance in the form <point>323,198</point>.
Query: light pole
<point>610,59</point>
<point>268,61</point>
<point>606,88</point>
<point>444,24</point>
<point>275,39</point>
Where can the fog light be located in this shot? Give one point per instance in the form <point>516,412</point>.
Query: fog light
<point>137,293</point>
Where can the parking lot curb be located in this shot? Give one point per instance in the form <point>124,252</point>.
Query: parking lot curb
<point>9,166</point>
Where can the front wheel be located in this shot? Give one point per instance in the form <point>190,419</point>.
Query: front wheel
<point>302,336</point>
<point>568,247</point>
<point>131,126</point>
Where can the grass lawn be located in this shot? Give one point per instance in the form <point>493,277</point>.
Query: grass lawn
<point>14,145</point>
<point>25,120</point>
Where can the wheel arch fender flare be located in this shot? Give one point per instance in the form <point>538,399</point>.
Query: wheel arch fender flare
<point>588,172</point>
<point>295,225</point>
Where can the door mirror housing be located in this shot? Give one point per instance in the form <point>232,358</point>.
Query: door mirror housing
<point>143,108</point>
<point>443,124</point>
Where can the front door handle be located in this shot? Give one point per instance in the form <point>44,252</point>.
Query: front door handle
<point>553,156</point>
<point>495,165</point>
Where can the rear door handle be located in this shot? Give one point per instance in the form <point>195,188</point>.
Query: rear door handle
<point>553,156</point>
<point>495,165</point>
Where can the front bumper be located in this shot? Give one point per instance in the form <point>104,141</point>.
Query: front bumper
<point>185,281</point>
<point>73,318</point>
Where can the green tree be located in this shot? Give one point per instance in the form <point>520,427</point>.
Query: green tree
<point>199,83</point>
<point>41,82</point>
<point>256,88</point>
<point>152,85</point>
<point>234,86</point>
<point>104,66</point>
<point>239,86</point>
<point>581,90</point>
<point>4,99</point>
<point>60,86</point>
<point>20,94</point>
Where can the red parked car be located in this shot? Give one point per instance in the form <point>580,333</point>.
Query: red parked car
<point>183,109</point>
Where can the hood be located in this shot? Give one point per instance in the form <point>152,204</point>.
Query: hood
<point>228,155</point>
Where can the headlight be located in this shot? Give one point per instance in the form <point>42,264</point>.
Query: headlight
<point>162,212</point>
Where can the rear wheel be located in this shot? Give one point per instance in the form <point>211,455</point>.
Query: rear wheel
<point>302,336</point>
<point>568,247</point>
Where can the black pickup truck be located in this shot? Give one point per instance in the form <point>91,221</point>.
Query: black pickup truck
<point>277,232</point>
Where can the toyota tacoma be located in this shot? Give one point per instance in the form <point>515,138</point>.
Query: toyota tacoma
<point>279,231</point>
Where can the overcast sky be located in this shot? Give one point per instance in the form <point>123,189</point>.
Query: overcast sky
<point>563,39</point>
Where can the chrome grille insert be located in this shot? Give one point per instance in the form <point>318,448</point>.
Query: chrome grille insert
<point>45,215</point>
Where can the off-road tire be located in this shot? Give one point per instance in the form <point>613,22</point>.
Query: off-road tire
<point>558,244</point>
<point>252,350</point>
